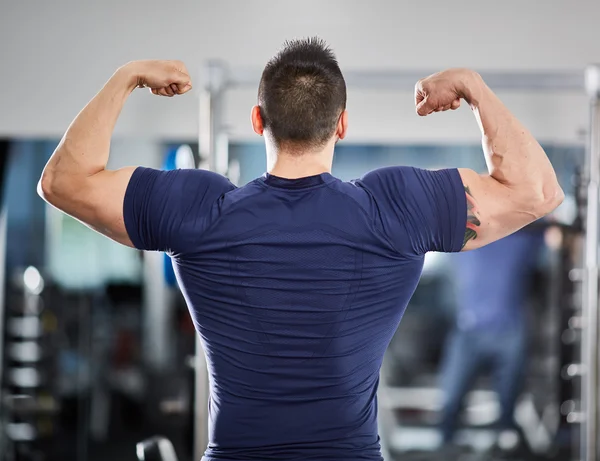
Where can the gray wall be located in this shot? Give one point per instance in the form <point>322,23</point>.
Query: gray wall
<point>56,55</point>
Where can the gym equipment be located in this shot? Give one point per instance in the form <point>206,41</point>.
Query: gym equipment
<point>213,142</point>
<point>213,135</point>
<point>28,404</point>
<point>156,449</point>
<point>589,345</point>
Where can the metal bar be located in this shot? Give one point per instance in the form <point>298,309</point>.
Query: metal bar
<point>213,150</point>
<point>404,80</point>
<point>205,131</point>
<point>201,384</point>
<point>3,442</point>
<point>158,310</point>
<point>589,405</point>
<point>220,78</point>
<point>222,153</point>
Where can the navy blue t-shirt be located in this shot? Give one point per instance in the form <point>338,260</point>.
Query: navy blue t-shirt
<point>296,288</point>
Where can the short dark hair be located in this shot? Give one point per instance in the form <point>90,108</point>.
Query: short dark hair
<point>302,93</point>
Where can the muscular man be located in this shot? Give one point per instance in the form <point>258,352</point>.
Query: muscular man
<point>297,281</point>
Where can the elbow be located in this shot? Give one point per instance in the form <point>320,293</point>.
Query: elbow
<point>46,186</point>
<point>549,200</point>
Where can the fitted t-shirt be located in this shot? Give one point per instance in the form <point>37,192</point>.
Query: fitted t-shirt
<point>296,287</point>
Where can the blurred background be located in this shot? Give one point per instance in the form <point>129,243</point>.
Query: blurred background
<point>96,347</point>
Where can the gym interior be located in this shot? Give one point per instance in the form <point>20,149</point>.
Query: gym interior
<point>99,358</point>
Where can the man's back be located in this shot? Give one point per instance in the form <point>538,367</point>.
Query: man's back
<point>296,288</point>
<point>297,299</point>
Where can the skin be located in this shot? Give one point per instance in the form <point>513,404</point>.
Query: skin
<point>521,185</point>
<point>286,165</point>
<point>75,179</point>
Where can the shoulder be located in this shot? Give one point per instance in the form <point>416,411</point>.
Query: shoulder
<point>399,183</point>
<point>387,184</point>
<point>406,176</point>
<point>180,182</point>
<point>388,179</point>
<point>187,175</point>
<point>204,179</point>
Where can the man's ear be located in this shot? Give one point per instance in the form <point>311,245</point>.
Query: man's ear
<point>342,126</point>
<point>257,121</point>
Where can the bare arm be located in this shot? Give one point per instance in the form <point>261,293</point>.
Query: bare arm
<point>76,180</point>
<point>521,185</point>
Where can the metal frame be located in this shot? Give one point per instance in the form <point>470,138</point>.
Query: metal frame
<point>3,221</point>
<point>218,77</point>
<point>589,350</point>
<point>224,77</point>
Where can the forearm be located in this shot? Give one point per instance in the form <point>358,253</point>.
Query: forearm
<point>84,149</point>
<point>513,156</point>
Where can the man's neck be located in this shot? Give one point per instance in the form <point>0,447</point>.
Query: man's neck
<point>299,165</point>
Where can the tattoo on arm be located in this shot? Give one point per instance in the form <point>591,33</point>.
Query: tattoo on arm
<point>473,222</point>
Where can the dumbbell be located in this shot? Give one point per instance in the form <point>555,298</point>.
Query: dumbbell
<point>156,449</point>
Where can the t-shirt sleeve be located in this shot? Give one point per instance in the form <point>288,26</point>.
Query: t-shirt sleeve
<point>420,210</point>
<point>163,209</point>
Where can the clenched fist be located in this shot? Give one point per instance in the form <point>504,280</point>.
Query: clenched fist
<point>163,78</point>
<point>443,91</point>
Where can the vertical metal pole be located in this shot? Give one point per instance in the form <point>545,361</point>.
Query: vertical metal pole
<point>589,388</point>
<point>222,153</point>
<point>201,386</point>
<point>2,306</point>
<point>4,443</point>
<point>210,123</point>
<point>205,132</point>
<point>157,300</point>
<point>158,311</point>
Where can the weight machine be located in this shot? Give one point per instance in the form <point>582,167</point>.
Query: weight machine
<point>213,142</point>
